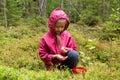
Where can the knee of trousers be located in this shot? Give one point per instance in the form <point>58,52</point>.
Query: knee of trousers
<point>73,54</point>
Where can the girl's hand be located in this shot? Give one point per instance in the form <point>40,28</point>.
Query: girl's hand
<point>60,57</point>
<point>64,49</point>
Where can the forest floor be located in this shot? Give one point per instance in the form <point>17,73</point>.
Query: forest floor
<point>19,57</point>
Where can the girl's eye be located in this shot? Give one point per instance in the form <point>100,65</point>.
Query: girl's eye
<point>59,27</point>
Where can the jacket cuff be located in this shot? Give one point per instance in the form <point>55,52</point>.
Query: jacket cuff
<point>49,57</point>
<point>69,49</point>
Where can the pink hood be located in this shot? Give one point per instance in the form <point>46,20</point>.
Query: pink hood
<point>48,44</point>
<point>55,15</point>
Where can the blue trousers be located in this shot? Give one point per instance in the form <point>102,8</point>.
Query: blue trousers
<point>71,61</point>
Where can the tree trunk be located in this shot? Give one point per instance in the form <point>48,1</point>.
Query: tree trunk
<point>69,8</point>
<point>5,15</point>
<point>103,7</point>
<point>75,12</point>
<point>108,14</point>
<point>83,5</point>
<point>62,4</point>
<point>1,6</point>
<point>41,7</point>
<point>79,6</point>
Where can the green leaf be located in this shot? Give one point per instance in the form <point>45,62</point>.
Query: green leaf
<point>93,47</point>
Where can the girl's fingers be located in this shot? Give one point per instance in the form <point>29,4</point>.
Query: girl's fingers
<point>65,58</point>
<point>61,58</point>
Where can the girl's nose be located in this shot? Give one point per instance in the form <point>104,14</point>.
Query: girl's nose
<point>60,29</point>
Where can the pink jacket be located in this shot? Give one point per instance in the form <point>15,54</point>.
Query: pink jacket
<point>48,44</point>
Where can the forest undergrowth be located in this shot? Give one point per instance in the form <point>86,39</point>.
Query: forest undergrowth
<point>19,57</point>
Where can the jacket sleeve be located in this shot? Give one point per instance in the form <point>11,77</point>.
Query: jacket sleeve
<point>44,52</point>
<point>71,45</point>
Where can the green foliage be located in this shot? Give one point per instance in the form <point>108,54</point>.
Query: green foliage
<point>20,42</point>
<point>115,16</point>
<point>52,5</point>
<point>111,30</point>
<point>79,10</point>
<point>96,71</point>
<point>7,73</point>
<point>85,60</point>
<point>13,12</point>
<point>89,19</point>
<point>35,21</point>
<point>91,44</point>
<point>19,51</point>
<point>98,46</point>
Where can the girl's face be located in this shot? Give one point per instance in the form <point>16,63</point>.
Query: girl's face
<point>60,26</point>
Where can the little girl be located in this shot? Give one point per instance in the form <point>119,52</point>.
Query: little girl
<point>57,47</point>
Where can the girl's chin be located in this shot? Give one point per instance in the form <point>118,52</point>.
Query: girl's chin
<point>58,33</point>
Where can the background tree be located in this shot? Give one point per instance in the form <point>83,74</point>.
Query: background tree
<point>41,7</point>
<point>62,4</point>
<point>5,15</point>
<point>77,10</point>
